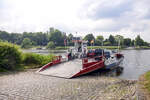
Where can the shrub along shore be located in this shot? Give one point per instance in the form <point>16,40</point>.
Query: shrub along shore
<point>11,58</point>
<point>97,47</point>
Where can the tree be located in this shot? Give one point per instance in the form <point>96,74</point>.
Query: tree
<point>15,38</point>
<point>29,35</point>
<point>119,38</point>
<point>99,40</point>
<point>112,40</point>
<point>146,44</point>
<point>89,38</point>
<point>51,29</point>
<point>40,38</point>
<point>26,43</point>
<point>4,36</point>
<point>133,43</point>
<point>50,45</point>
<point>127,42</point>
<point>69,39</point>
<point>139,41</point>
<point>57,38</point>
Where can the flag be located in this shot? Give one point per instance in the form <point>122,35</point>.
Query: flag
<point>65,42</point>
<point>92,41</point>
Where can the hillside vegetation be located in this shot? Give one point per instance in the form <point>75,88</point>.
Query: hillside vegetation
<point>11,58</point>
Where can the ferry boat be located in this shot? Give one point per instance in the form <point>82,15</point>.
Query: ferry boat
<point>79,60</point>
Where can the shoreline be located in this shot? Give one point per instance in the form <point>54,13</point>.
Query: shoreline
<point>143,90</point>
<point>46,51</point>
<point>84,88</point>
<point>91,47</point>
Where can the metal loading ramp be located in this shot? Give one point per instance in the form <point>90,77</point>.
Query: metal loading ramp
<point>65,70</point>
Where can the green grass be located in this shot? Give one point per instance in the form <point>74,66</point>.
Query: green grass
<point>89,47</point>
<point>104,47</point>
<point>145,47</point>
<point>17,68</point>
<point>62,48</point>
<point>56,48</point>
<point>31,66</point>
<point>3,70</point>
<point>147,81</point>
<point>142,47</point>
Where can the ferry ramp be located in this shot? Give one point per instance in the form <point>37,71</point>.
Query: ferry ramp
<point>65,69</point>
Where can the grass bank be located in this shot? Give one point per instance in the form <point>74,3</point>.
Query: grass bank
<point>104,47</point>
<point>144,86</point>
<point>142,47</point>
<point>13,59</point>
<point>147,81</point>
<point>92,47</point>
<point>89,47</point>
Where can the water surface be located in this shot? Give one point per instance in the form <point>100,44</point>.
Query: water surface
<point>136,63</point>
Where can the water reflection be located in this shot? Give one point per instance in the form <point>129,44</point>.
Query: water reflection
<point>117,71</point>
<point>136,62</point>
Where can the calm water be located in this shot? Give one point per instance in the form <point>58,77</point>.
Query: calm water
<point>136,62</point>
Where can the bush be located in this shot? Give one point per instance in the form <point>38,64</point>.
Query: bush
<point>10,56</point>
<point>107,43</point>
<point>61,48</point>
<point>26,43</point>
<point>36,59</point>
<point>50,45</point>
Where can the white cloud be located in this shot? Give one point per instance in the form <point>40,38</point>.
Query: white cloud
<point>104,17</point>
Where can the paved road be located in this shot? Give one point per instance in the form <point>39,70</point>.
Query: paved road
<point>31,86</point>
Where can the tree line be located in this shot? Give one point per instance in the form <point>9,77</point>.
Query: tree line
<point>56,37</point>
<point>115,40</point>
<point>34,38</point>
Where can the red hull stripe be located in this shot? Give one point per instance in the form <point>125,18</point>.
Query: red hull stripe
<point>50,64</point>
<point>90,69</point>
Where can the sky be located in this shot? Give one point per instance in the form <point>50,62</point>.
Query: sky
<point>100,17</point>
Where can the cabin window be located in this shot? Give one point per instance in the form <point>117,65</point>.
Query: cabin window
<point>107,54</point>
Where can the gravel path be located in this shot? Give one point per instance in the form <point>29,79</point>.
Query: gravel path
<point>31,86</point>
